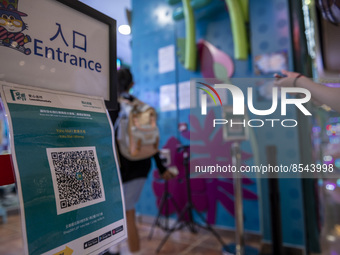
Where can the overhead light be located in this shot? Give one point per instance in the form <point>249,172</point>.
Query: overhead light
<point>331,238</point>
<point>330,186</point>
<point>124,29</point>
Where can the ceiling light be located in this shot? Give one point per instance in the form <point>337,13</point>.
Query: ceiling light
<point>124,29</point>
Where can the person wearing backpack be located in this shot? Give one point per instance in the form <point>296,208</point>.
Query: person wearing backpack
<point>137,139</point>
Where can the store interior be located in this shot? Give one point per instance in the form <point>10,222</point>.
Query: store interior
<point>168,47</point>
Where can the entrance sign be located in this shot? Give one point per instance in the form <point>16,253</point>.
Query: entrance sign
<point>61,45</point>
<point>66,171</point>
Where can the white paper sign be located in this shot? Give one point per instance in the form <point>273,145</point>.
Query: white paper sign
<point>184,97</point>
<point>166,59</point>
<point>56,47</point>
<point>167,98</point>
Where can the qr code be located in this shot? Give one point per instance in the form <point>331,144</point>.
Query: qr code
<point>76,176</point>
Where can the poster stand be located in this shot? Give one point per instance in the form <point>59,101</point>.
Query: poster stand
<point>71,51</point>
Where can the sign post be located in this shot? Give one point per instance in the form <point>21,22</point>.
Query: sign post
<point>236,133</point>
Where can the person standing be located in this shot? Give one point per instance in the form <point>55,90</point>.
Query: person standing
<point>133,172</point>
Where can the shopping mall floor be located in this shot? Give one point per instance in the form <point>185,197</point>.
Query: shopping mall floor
<point>181,242</point>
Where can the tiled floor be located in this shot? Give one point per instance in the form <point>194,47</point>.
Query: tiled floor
<point>10,236</point>
<point>180,242</point>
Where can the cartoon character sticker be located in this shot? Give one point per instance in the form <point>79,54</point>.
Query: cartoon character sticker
<point>12,25</point>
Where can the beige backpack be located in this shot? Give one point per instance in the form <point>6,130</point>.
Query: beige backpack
<point>137,131</point>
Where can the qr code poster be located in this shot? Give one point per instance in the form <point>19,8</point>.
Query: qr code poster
<point>76,176</point>
<point>68,178</point>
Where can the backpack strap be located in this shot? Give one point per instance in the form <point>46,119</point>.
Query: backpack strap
<point>122,112</point>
